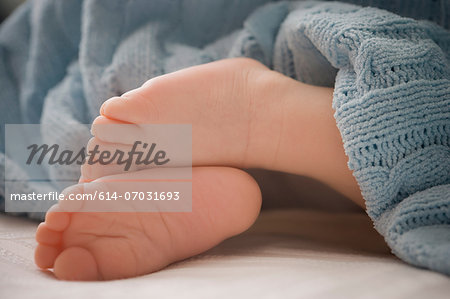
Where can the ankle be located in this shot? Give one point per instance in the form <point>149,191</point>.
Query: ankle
<point>304,139</point>
<point>287,125</point>
<point>267,112</point>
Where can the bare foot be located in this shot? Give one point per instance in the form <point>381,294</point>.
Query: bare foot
<point>103,246</point>
<point>243,115</point>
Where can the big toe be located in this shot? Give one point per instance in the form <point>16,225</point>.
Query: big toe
<point>76,263</point>
<point>137,108</point>
<point>45,255</point>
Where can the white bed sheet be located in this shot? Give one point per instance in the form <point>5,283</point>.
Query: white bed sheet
<point>286,254</point>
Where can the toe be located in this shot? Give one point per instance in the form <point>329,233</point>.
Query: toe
<point>118,108</point>
<point>56,219</point>
<point>45,255</point>
<point>105,166</point>
<point>102,120</point>
<point>151,103</point>
<point>108,107</point>
<point>76,263</point>
<point>113,131</point>
<point>47,236</point>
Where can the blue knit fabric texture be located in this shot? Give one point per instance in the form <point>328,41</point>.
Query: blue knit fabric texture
<point>59,60</point>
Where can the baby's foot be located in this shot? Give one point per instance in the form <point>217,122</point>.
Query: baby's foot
<point>234,107</point>
<point>243,115</point>
<point>102,246</point>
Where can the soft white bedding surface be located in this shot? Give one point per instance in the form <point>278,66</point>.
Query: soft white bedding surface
<point>286,254</point>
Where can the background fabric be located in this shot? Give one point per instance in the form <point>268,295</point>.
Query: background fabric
<point>287,254</point>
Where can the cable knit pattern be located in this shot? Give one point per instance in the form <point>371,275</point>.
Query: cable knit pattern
<point>59,60</point>
<point>392,102</point>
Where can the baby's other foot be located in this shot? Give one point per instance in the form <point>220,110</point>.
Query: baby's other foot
<point>103,246</point>
<point>243,115</point>
<point>234,105</point>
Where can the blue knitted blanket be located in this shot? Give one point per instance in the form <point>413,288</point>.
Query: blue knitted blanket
<point>59,60</point>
